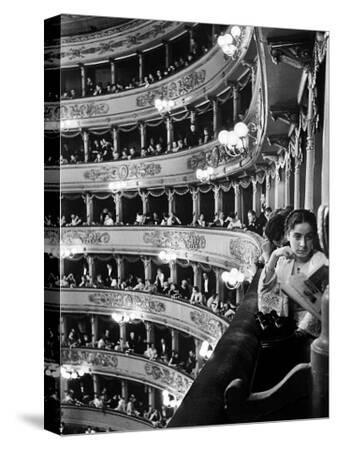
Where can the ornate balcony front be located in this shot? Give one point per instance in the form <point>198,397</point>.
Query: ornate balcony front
<point>205,77</point>
<point>216,247</point>
<point>198,322</point>
<point>109,419</point>
<point>130,367</point>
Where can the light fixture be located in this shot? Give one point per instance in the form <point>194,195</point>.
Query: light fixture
<point>236,141</point>
<point>70,373</point>
<point>169,399</point>
<point>124,317</point>
<point>233,279</point>
<point>204,175</point>
<point>167,256</point>
<point>206,350</point>
<point>230,42</point>
<point>163,105</point>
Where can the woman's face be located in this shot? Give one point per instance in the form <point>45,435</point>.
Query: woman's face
<point>301,240</point>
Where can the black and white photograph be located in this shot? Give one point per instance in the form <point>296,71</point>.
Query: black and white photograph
<point>186,224</point>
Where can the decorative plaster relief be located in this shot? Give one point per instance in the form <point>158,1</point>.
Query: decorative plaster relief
<point>178,240</point>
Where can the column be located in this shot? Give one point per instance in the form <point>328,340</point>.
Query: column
<point>239,294</point>
<point>215,106</point>
<point>197,356</point>
<point>63,328</point>
<point>91,266</point>
<point>297,183</point>
<point>237,200</point>
<point>268,189</point>
<point>258,198</point>
<point>175,340</point>
<point>152,396</point>
<point>218,200</point>
<point>214,36</point>
<point>192,116</point>
<point>145,204</point>
<point>120,269</point>
<point>112,71</point>
<point>310,149</point>
<point>235,92</point>
<point>122,333</point>
<point>142,129</point>
<point>190,38</point>
<point>141,66</point>
<point>85,137</point>
<point>96,384</point>
<point>196,203</point>
<point>169,131</point>
<point>255,199</point>
<point>149,333</point>
<point>94,329</point>
<point>171,201</point>
<point>115,138</point>
<point>89,208</point>
<point>173,271</point>
<point>124,392</point>
<point>61,267</point>
<point>277,201</point>
<point>82,68</point>
<point>326,137</point>
<point>167,48</point>
<point>197,281</point>
<point>147,268</point>
<point>287,174</point>
<point>118,207</point>
<point>220,289</point>
<point>63,387</point>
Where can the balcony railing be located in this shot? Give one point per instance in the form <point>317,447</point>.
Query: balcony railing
<point>213,246</point>
<point>107,419</point>
<point>194,320</point>
<point>206,75</point>
<point>130,367</point>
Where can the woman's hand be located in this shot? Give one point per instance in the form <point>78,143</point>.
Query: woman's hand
<point>284,251</point>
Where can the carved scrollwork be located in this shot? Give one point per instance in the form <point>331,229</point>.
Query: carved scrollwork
<point>124,172</point>
<point>244,250</point>
<point>169,377</point>
<point>69,237</point>
<point>136,301</point>
<point>78,356</point>
<point>174,89</point>
<point>212,157</point>
<point>209,325</point>
<point>175,239</point>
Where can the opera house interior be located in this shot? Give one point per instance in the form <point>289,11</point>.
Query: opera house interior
<point>186,224</point>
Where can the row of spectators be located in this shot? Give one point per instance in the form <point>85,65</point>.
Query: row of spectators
<point>102,150</point>
<point>134,344</point>
<point>205,297</point>
<point>96,88</point>
<point>254,223</point>
<point>131,406</point>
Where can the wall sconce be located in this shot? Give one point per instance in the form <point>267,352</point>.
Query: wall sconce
<point>232,279</point>
<point>163,106</point>
<point>230,42</point>
<point>206,350</point>
<point>236,141</point>
<point>204,175</point>
<point>166,257</point>
<point>69,372</point>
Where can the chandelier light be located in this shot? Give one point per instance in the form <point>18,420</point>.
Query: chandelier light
<point>236,141</point>
<point>166,257</point>
<point>230,42</point>
<point>124,317</point>
<point>232,279</point>
<point>206,350</point>
<point>204,175</point>
<point>169,399</point>
<point>163,105</point>
<point>69,372</point>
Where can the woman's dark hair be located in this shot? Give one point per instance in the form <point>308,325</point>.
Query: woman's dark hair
<point>300,216</point>
<point>275,227</point>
